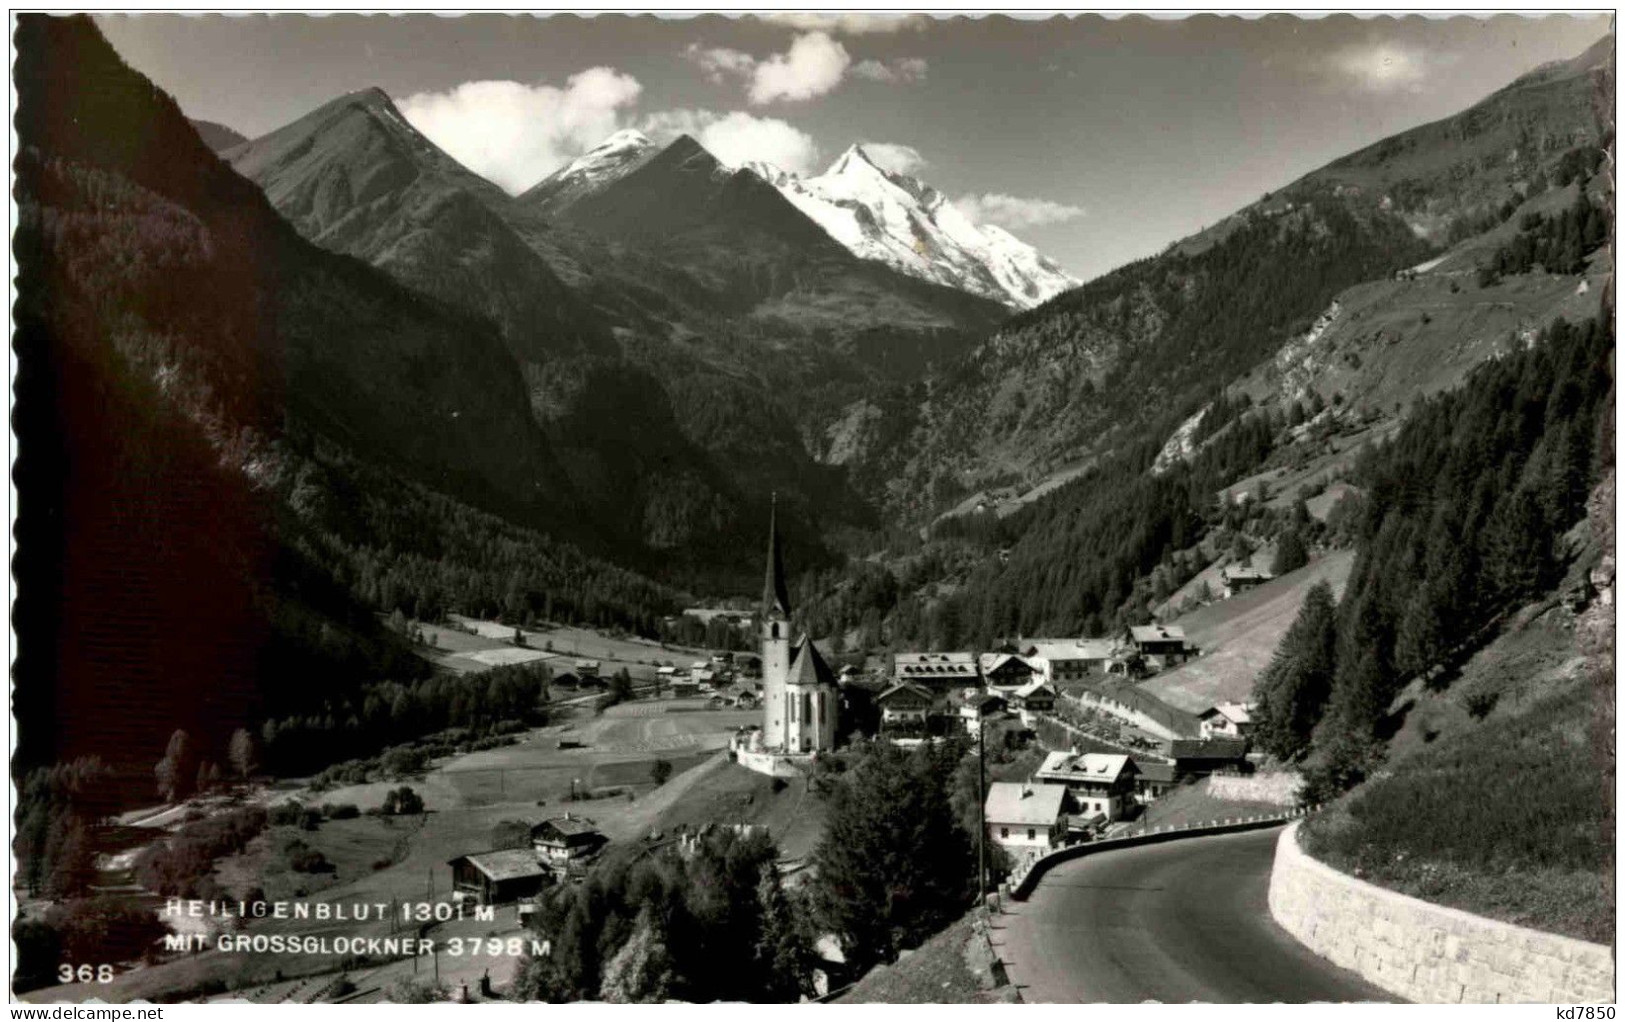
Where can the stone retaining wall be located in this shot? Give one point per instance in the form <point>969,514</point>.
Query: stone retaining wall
<point>1425,952</point>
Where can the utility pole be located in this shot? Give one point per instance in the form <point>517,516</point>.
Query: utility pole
<point>981,806</point>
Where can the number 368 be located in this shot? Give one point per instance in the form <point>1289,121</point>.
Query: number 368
<point>84,973</point>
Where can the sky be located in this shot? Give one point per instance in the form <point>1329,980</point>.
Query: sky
<point>1097,140</point>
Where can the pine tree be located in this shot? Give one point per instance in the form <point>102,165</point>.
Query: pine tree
<point>177,771</point>
<point>1293,690</point>
<point>1290,553</point>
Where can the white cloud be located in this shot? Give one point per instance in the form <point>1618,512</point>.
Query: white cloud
<point>737,137</point>
<point>515,134</point>
<point>895,157</point>
<point>903,70</point>
<point>1382,67</point>
<point>814,64</point>
<point>850,24</point>
<point>1013,212</point>
<point>719,62</point>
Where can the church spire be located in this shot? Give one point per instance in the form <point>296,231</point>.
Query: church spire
<point>775,594</point>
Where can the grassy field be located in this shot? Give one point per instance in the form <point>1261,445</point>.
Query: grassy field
<point>1239,635</point>
<point>1498,794</point>
<point>1195,803</point>
<point>465,797</point>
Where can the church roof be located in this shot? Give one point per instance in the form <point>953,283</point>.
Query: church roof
<point>807,666</point>
<point>775,594</point>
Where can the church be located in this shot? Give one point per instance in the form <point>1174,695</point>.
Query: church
<point>800,704</point>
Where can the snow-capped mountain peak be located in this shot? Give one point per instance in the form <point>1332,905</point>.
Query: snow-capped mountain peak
<point>902,221</point>
<point>606,162</point>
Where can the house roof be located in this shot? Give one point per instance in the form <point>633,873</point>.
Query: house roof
<point>1162,773</point>
<point>1024,804</point>
<point>1236,712</point>
<point>940,663</point>
<point>982,700</point>
<point>567,826</point>
<point>991,662</point>
<point>807,666</point>
<point>1033,688</point>
<point>1071,649</point>
<point>1207,748</point>
<point>1157,633</point>
<point>905,689</point>
<point>505,864</point>
<point>1246,575</point>
<point>1091,766</point>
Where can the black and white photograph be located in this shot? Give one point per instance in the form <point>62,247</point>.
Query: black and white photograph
<point>838,507</point>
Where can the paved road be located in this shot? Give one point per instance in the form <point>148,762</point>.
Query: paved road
<point>1176,922</point>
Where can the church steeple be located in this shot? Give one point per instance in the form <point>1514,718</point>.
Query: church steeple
<point>775,594</point>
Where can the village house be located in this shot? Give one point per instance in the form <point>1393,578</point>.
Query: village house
<point>1101,785</point>
<point>566,843</point>
<point>1154,780</point>
<point>1227,720</point>
<point>1037,696</point>
<point>941,672</point>
<point>1072,660</point>
<point>1026,818</point>
<point>497,877</point>
<point>1160,646</point>
<point>587,668</point>
<point>978,708</point>
<point>905,710</point>
<point>1240,580</point>
<point>1007,672</point>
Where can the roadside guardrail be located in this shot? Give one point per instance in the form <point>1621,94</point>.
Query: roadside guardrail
<point>1022,882</point>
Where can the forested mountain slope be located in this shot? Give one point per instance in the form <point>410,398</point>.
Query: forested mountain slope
<point>1147,346</point>
<point>220,424</point>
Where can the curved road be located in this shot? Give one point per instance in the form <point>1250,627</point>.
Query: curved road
<point>1183,921</point>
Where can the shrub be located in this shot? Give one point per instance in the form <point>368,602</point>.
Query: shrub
<point>342,811</point>
<point>302,858</point>
<point>104,930</point>
<point>1479,704</point>
<point>403,801</point>
<point>286,814</point>
<point>310,819</point>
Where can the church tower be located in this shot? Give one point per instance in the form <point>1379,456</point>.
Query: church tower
<point>775,626</point>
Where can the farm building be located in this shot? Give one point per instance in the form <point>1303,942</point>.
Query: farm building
<point>565,841</point>
<point>497,877</point>
<point>1240,580</point>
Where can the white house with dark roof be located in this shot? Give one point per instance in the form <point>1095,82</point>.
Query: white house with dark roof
<point>1071,660</point>
<point>1007,672</point>
<point>1026,818</point>
<point>1227,720</point>
<point>1160,646</point>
